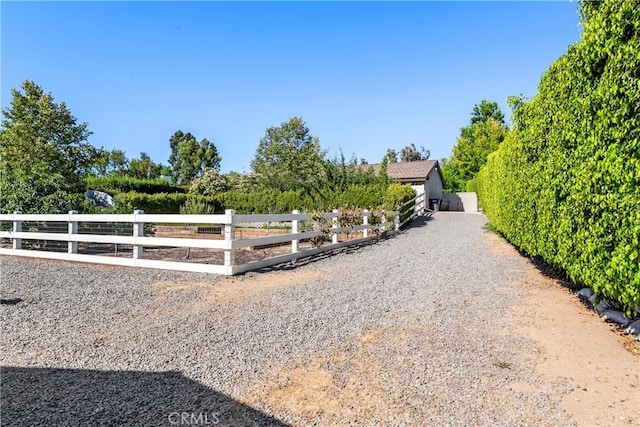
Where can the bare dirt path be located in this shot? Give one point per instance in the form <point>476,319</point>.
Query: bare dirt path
<point>597,365</point>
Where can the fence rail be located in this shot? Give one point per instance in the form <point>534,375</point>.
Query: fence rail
<point>129,239</point>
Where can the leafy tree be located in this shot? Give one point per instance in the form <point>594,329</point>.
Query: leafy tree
<point>236,180</point>
<point>452,180</point>
<point>483,136</point>
<point>341,174</point>
<point>189,158</point>
<point>288,157</point>
<point>210,183</point>
<point>144,168</point>
<point>107,162</point>
<point>383,175</point>
<point>43,154</point>
<point>411,154</point>
<point>486,110</point>
<point>166,172</point>
<point>471,151</point>
<point>392,155</point>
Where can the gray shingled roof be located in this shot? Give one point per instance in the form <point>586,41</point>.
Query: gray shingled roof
<point>405,171</point>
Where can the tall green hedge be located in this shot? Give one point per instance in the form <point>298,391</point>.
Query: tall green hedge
<point>565,184</point>
<point>159,203</point>
<point>266,201</point>
<point>271,201</point>
<point>123,184</point>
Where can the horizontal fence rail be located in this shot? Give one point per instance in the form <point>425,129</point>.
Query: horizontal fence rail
<point>222,244</point>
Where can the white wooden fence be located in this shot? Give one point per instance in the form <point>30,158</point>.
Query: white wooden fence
<point>69,230</point>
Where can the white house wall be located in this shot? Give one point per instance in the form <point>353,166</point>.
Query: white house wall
<point>435,185</point>
<point>421,189</point>
<point>462,202</point>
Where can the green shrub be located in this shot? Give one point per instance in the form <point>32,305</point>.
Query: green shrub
<point>123,184</point>
<point>40,194</point>
<point>196,207</point>
<point>210,183</point>
<point>270,201</point>
<point>565,184</point>
<point>275,201</point>
<point>265,201</point>
<point>397,195</point>
<point>360,196</point>
<point>161,202</point>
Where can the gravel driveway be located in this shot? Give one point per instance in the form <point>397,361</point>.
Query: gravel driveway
<point>415,330</point>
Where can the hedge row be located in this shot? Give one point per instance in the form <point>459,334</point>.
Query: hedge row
<point>565,184</point>
<point>123,184</point>
<point>270,201</point>
<point>159,203</point>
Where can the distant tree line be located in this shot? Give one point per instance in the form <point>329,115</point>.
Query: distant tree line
<point>46,163</point>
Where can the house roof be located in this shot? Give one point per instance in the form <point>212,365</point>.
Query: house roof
<point>409,171</point>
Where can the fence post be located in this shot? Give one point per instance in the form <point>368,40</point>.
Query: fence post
<point>365,221</point>
<point>295,244</point>
<point>334,227</point>
<point>229,236</point>
<point>138,231</point>
<point>396,220</point>
<point>17,228</point>
<point>73,229</point>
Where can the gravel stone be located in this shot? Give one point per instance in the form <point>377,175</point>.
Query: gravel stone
<point>91,345</point>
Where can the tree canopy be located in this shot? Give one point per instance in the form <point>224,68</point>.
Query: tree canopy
<point>391,156</point>
<point>288,157</point>
<point>108,162</point>
<point>144,168</point>
<point>410,153</point>
<point>486,110</point>
<point>480,138</point>
<point>189,158</point>
<point>44,154</point>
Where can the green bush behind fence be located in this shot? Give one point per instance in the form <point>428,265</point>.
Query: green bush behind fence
<point>271,201</point>
<point>124,184</point>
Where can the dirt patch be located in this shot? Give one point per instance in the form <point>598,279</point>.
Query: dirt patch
<point>598,366</point>
<point>234,289</point>
<point>305,391</point>
<point>373,335</point>
<point>499,246</point>
<point>344,385</point>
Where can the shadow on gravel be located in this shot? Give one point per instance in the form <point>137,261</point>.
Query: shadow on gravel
<point>418,222</point>
<point>39,396</point>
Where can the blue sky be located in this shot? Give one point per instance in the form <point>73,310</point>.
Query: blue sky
<point>364,76</point>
